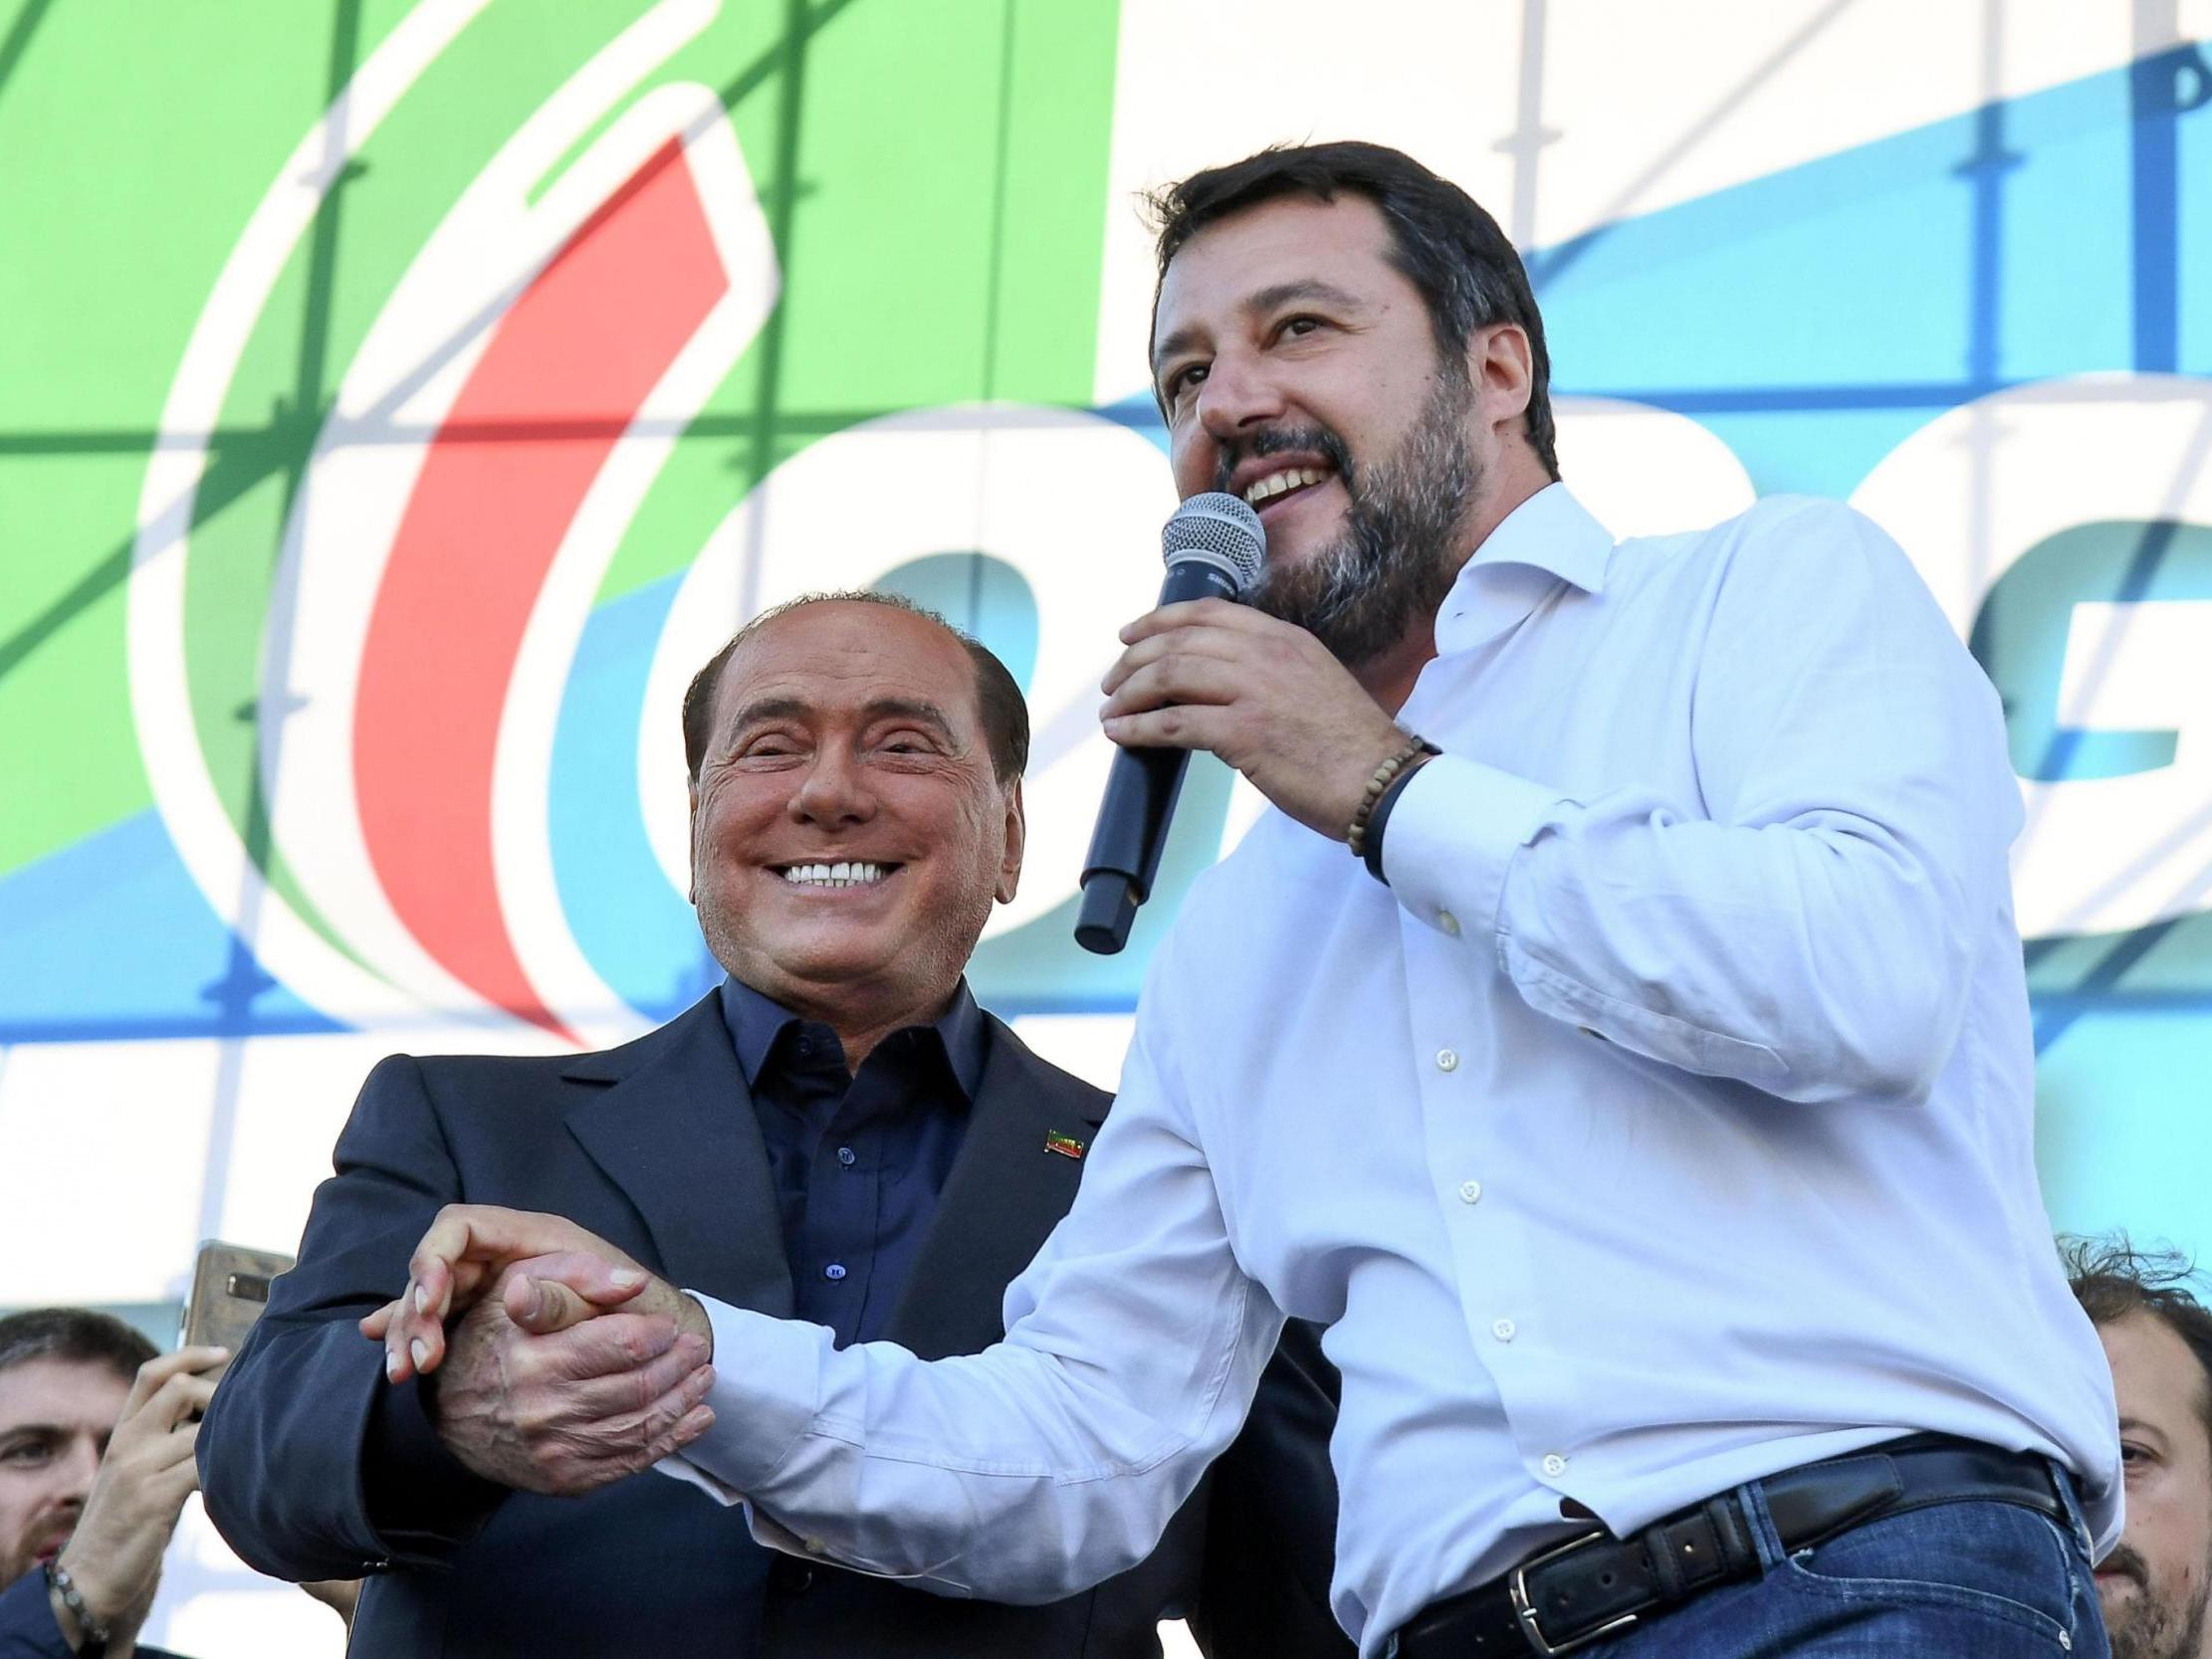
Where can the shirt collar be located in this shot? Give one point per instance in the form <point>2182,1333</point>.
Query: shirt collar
<point>1549,538</point>
<point>756,1021</point>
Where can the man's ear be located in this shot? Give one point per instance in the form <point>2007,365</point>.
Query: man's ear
<point>691,838</point>
<point>1018,835</point>
<point>1502,369</point>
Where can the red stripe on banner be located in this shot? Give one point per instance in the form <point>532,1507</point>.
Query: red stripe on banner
<point>565,375</point>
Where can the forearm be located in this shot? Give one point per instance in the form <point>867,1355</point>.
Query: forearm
<point>301,1441</point>
<point>1795,888</point>
<point>1016,1474</point>
<point>312,1464</point>
<point>1818,957</point>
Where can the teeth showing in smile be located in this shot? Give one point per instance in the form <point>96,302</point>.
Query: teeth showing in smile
<point>1274,484</point>
<point>835,875</point>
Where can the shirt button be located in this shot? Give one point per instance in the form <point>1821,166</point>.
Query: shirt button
<point>1503,1330</point>
<point>1448,924</point>
<point>847,1157</point>
<point>1447,1060</point>
<point>1554,1465</point>
<point>836,1270</point>
<point>1470,1192</point>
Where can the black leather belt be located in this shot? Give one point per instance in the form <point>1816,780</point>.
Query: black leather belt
<point>1597,1585</point>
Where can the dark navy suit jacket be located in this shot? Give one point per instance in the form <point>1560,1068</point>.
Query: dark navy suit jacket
<point>313,1466</point>
<point>27,1627</point>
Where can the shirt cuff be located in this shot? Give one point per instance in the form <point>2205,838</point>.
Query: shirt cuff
<point>768,1380</point>
<point>1453,833</point>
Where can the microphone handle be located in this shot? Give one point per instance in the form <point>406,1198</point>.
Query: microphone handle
<point>1141,791</point>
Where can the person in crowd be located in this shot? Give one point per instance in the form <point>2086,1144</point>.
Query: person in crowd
<point>1615,1021</point>
<point>2156,1584</point>
<point>95,1462</point>
<point>838,1131</point>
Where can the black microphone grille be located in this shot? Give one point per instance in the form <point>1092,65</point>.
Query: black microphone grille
<point>1221,529</point>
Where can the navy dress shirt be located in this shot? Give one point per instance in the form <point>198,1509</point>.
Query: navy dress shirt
<point>857,1159</point>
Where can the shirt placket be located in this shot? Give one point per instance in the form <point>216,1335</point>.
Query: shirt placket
<point>1474,1170</point>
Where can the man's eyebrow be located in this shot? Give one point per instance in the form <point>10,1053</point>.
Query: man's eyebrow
<point>913,709</point>
<point>1260,300</point>
<point>768,709</point>
<point>881,707</point>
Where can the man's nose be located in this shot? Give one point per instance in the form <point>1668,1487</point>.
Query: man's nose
<point>834,789</point>
<point>1236,395</point>
<point>75,1468</point>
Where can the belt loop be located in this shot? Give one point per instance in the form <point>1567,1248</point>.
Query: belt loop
<point>2069,1496</point>
<point>1751,1500</point>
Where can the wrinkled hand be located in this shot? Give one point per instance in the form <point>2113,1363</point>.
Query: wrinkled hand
<point>577,1397</point>
<point>115,1555</point>
<point>1264,694</point>
<point>467,1250</point>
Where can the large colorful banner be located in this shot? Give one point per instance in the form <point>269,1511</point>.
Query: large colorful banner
<point>399,399</point>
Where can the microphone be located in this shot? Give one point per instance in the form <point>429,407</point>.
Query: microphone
<point>1214,549</point>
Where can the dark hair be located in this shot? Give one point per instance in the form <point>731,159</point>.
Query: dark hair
<point>999,701</point>
<point>1441,240</point>
<point>2112,1279</point>
<point>78,1335</point>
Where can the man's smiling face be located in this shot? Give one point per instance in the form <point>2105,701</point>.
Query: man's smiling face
<point>1282,320</point>
<point>1298,370</point>
<point>848,834</point>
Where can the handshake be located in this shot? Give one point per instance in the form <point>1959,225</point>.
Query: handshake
<point>551,1362</point>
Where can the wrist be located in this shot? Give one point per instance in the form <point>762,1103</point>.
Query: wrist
<point>1410,753</point>
<point>82,1607</point>
<point>1377,822</point>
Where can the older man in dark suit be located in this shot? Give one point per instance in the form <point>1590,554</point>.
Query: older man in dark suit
<point>838,1133</point>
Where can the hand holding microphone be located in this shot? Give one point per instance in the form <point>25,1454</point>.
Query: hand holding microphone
<point>1214,549</point>
<point>1261,693</point>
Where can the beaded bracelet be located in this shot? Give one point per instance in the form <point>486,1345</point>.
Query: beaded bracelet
<point>1355,837</point>
<point>95,1642</point>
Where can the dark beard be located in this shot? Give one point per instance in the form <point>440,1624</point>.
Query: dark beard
<point>2154,1627</point>
<point>1399,554</point>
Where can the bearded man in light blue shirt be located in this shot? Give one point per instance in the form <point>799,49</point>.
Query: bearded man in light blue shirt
<point>1644,1100</point>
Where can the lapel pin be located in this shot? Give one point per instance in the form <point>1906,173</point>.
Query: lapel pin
<point>1065,1144</point>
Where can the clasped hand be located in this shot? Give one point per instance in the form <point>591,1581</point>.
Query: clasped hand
<point>1264,694</point>
<point>562,1364</point>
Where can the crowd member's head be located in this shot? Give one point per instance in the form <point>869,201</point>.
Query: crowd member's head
<point>855,807</point>
<point>1347,341</point>
<point>64,1373</point>
<point>2156,1585</point>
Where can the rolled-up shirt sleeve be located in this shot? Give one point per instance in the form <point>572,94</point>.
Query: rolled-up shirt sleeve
<point>1049,1462</point>
<point>1804,923</point>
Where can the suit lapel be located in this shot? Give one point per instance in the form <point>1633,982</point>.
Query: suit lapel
<point>1006,1192</point>
<point>676,1132</point>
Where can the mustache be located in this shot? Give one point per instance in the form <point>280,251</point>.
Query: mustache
<point>1277,439</point>
<point>2125,1562</point>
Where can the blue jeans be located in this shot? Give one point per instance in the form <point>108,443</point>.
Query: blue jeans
<point>1965,1580</point>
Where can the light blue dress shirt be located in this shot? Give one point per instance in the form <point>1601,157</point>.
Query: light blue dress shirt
<point>1665,1122</point>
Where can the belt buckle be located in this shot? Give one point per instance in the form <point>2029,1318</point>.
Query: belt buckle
<point>1524,1610</point>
